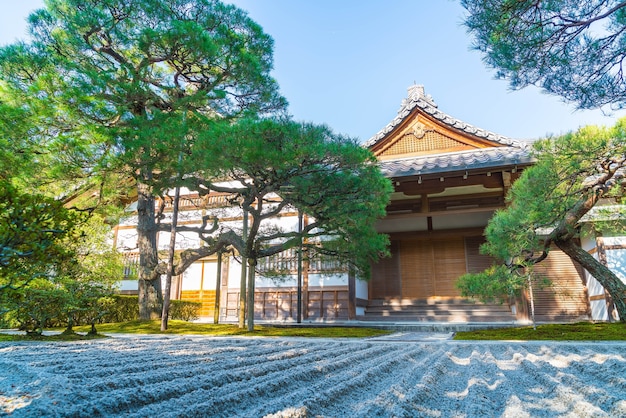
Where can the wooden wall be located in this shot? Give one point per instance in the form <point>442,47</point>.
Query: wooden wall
<point>567,298</point>
<point>428,266</point>
<point>425,266</point>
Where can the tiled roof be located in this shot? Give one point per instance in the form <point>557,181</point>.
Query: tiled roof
<point>455,161</point>
<point>417,98</point>
<point>505,152</point>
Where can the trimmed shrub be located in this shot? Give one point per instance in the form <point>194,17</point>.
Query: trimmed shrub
<point>185,310</point>
<point>40,308</point>
<point>124,308</point>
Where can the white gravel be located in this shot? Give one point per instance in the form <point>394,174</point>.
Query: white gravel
<point>194,376</point>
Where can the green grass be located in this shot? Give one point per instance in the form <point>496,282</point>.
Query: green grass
<point>582,331</point>
<point>56,337</point>
<point>182,327</point>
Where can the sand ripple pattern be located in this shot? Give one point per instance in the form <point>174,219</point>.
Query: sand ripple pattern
<point>189,376</point>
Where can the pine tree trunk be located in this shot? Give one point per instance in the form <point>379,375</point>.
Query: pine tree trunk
<point>611,283</point>
<point>218,289</point>
<point>149,288</point>
<point>165,313</point>
<point>251,279</point>
<point>242,284</point>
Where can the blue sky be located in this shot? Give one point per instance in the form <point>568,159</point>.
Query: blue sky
<point>348,64</point>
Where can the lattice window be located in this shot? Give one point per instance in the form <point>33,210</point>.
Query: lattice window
<point>286,262</point>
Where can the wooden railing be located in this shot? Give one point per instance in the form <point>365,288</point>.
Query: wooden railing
<point>281,303</point>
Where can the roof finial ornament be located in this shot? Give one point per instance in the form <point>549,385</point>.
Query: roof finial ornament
<point>416,91</point>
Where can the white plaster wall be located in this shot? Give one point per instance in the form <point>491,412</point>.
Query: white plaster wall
<point>323,280</point>
<point>126,239</point>
<point>234,273</point>
<point>598,307</point>
<point>288,281</point>
<point>466,220</point>
<point>210,275</point>
<point>598,310</point>
<point>362,292</point>
<point>183,240</point>
<point>129,285</point>
<point>588,242</point>
<point>362,289</point>
<point>615,240</point>
<point>192,277</point>
<point>183,215</point>
<point>130,220</point>
<point>594,288</point>
<point>616,260</point>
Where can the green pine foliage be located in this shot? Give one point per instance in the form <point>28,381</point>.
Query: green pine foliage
<point>117,93</point>
<point>548,204</point>
<point>573,49</point>
<point>329,177</point>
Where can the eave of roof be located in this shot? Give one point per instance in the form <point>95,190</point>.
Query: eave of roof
<point>484,158</point>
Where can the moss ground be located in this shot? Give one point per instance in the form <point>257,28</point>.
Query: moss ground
<point>582,331</point>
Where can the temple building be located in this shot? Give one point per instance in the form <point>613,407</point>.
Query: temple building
<point>449,178</point>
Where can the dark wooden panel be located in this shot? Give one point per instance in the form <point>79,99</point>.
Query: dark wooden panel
<point>566,299</point>
<point>417,269</point>
<point>385,280</point>
<point>449,265</point>
<point>281,303</point>
<point>476,262</point>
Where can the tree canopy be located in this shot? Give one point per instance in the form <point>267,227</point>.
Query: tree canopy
<point>120,89</point>
<point>270,166</point>
<point>33,233</point>
<point>549,203</point>
<point>573,49</point>
<point>113,83</point>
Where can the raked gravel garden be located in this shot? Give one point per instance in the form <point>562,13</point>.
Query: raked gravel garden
<point>199,376</point>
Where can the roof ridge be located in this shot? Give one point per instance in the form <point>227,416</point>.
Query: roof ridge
<point>417,98</point>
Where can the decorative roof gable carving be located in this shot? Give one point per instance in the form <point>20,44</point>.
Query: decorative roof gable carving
<point>427,142</point>
<point>421,140</point>
<point>418,100</point>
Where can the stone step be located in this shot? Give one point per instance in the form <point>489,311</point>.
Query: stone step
<point>438,318</point>
<point>426,302</point>
<point>436,310</point>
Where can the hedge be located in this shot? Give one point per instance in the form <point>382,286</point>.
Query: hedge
<point>117,308</point>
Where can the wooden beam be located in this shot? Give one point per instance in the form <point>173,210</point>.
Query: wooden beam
<point>433,185</point>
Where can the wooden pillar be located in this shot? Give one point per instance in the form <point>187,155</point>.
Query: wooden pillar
<point>601,251</point>
<point>224,292</point>
<point>306,267</point>
<point>351,294</point>
<point>506,182</point>
<point>218,289</point>
<point>425,204</point>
